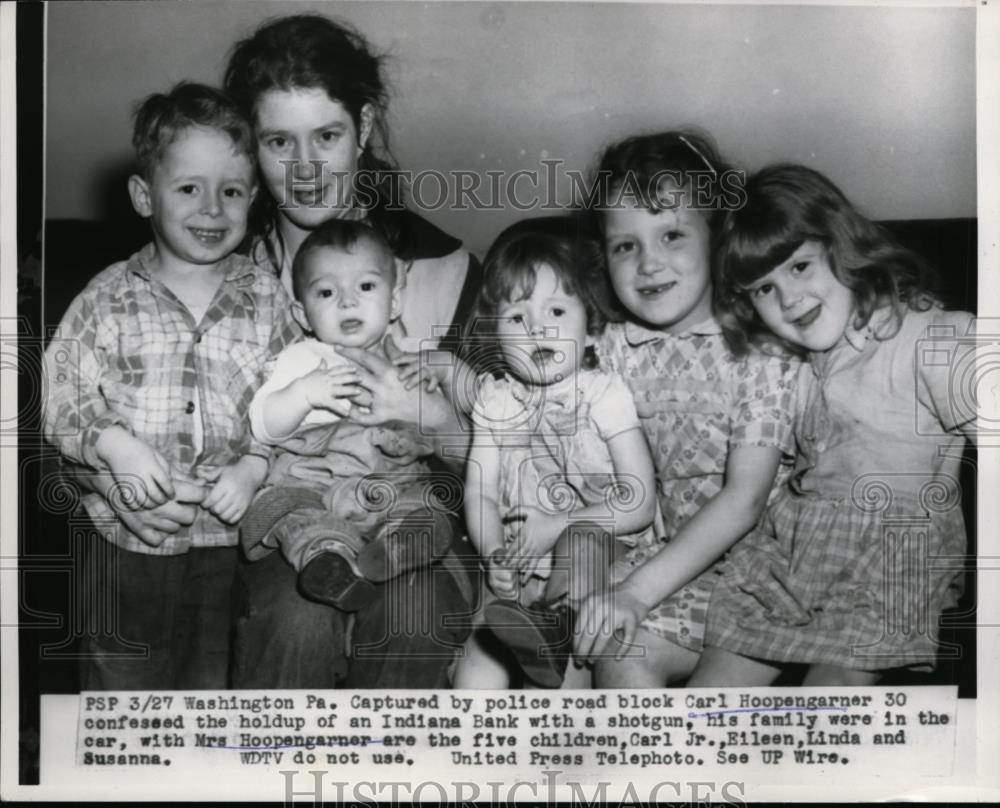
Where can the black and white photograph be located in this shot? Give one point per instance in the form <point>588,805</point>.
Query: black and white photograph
<point>531,401</point>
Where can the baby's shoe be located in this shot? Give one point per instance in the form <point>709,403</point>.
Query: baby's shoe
<point>409,545</point>
<point>540,636</point>
<point>333,577</point>
<point>268,508</point>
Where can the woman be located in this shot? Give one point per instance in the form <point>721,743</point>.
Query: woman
<point>317,99</point>
<point>315,94</point>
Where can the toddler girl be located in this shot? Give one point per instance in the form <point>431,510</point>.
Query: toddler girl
<point>718,420</point>
<point>837,576</point>
<point>559,474</point>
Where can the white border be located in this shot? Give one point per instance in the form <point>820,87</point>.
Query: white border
<point>9,713</point>
<point>981,783</point>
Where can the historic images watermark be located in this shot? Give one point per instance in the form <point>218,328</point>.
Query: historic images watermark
<point>550,187</point>
<point>313,784</point>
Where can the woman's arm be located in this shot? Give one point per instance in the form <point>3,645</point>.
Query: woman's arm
<point>727,517</point>
<point>455,378</point>
<point>389,400</point>
<point>465,307</point>
<point>448,429</point>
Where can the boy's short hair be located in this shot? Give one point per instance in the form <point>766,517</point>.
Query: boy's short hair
<point>161,117</point>
<point>339,234</point>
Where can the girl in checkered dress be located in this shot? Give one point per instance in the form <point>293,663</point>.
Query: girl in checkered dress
<point>855,560</point>
<point>718,421</point>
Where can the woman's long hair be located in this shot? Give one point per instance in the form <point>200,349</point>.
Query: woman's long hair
<point>312,51</point>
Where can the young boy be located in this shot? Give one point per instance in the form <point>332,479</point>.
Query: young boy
<point>165,352</point>
<point>351,504</point>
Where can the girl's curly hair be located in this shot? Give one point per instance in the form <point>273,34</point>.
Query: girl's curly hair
<point>786,206</point>
<point>510,271</point>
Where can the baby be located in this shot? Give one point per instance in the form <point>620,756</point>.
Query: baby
<point>348,504</point>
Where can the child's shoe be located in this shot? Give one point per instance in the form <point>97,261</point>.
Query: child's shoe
<point>540,636</point>
<point>409,545</point>
<point>332,577</point>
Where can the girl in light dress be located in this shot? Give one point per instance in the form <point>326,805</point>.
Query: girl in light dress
<point>841,574</point>
<point>559,480</point>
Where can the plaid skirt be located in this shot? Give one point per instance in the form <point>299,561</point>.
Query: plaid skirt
<point>831,581</point>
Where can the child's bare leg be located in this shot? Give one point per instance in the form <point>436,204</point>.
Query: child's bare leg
<point>573,679</point>
<point>578,678</point>
<point>651,661</point>
<point>721,668</point>
<point>540,636</point>
<point>483,665</point>
<point>835,676</point>
<point>590,551</point>
<point>581,562</point>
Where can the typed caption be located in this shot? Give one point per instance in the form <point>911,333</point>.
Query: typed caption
<point>396,734</point>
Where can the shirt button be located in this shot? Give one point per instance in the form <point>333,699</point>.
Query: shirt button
<point>197,339</point>
<point>189,409</point>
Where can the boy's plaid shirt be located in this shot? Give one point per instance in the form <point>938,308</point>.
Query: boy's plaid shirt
<point>127,352</point>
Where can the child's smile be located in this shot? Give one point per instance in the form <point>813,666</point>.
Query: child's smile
<point>207,236</point>
<point>802,301</point>
<point>655,290</point>
<point>809,317</point>
<point>197,199</point>
<point>658,261</point>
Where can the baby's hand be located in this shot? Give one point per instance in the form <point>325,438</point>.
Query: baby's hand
<point>414,369</point>
<point>501,578</point>
<point>140,471</point>
<point>329,389</point>
<point>537,532</point>
<point>234,488</point>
